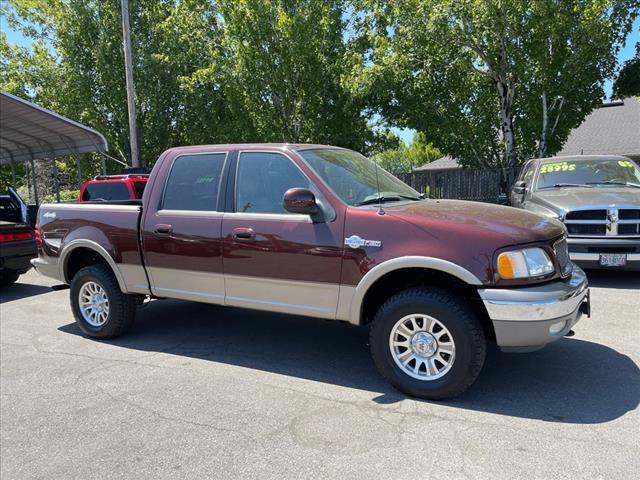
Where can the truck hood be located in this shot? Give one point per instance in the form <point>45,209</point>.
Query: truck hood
<point>506,224</point>
<point>571,198</point>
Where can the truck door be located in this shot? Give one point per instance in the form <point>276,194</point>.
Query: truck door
<point>181,230</point>
<point>273,259</point>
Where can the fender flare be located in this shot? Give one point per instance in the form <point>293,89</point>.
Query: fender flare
<point>399,263</point>
<point>91,245</point>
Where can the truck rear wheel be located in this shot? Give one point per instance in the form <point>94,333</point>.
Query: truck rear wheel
<point>427,343</point>
<point>100,308</point>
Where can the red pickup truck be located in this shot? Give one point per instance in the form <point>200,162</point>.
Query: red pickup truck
<point>323,232</point>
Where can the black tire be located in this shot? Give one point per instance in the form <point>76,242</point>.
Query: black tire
<point>122,307</point>
<point>8,277</point>
<point>459,320</point>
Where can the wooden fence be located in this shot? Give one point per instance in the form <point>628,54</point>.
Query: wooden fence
<point>461,184</point>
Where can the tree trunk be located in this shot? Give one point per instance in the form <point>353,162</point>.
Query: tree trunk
<point>542,144</point>
<point>505,91</point>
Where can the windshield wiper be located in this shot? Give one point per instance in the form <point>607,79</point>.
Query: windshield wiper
<point>560,185</point>
<point>396,197</point>
<point>624,184</point>
<point>381,199</point>
<point>410,197</point>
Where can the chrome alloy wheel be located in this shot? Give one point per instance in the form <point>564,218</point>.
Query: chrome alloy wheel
<point>94,304</point>
<point>422,347</point>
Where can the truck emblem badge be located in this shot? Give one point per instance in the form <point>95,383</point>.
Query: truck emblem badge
<point>354,241</point>
<point>612,221</point>
<point>49,215</point>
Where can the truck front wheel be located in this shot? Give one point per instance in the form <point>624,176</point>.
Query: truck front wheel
<point>427,343</point>
<point>100,308</point>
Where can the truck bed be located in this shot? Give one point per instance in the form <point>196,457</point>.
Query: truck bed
<point>111,228</point>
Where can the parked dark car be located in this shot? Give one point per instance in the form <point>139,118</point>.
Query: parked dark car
<point>597,198</point>
<point>322,232</point>
<point>17,237</point>
<point>114,187</point>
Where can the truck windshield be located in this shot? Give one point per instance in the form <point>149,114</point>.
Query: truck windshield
<point>593,172</point>
<point>352,177</point>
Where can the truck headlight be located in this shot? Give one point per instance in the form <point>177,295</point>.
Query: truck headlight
<point>526,263</point>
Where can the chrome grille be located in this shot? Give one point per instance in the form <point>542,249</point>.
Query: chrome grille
<point>561,249</point>
<point>587,215</point>
<point>603,222</point>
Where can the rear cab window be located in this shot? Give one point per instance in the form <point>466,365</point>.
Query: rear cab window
<point>139,188</point>
<point>9,211</point>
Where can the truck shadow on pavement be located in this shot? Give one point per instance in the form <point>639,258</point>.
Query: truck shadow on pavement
<point>571,381</point>
<point>18,291</point>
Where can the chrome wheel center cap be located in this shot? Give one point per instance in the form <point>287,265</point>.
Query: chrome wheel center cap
<point>98,302</point>
<point>424,344</point>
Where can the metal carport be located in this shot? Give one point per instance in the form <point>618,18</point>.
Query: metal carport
<point>29,132</point>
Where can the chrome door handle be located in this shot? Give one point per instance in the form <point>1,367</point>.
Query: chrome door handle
<point>242,233</point>
<point>163,229</point>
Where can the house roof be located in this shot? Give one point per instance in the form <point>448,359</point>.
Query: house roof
<point>614,128</point>
<point>30,132</point>
<point>443,163</point>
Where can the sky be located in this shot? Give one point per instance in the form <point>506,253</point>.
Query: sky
<point>405,134</point>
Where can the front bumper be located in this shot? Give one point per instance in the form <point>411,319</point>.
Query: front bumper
<point>586,251</point>
<point>526,319</point>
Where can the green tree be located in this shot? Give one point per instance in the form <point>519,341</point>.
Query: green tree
<point>404,158</point>
<point>204,71</point>
<point>628,82</point>
<point>176,50</point>
<point>472,73</point>
<point>289,68</point>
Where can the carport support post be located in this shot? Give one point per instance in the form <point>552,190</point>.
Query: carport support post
<point>78,171</point>
<point>104,164</point>
<point>33,179</point>
<point>13,174</point>
<point>56,183</point>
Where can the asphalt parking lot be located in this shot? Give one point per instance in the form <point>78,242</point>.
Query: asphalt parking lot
<point>199,391</point>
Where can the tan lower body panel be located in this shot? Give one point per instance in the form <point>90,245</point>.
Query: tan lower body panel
<point>187,285</point>
<point>313,299</point>
<point>134,277</point>
<point>284,296</point>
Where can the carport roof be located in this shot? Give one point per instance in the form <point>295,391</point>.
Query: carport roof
<point>29,132</point>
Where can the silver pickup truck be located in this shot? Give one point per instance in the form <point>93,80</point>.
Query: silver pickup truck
<point>597,198</point>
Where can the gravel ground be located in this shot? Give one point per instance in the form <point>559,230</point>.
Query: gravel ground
<point>197,391</point>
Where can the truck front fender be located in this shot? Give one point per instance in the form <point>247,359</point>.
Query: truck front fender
<point>351,298</point>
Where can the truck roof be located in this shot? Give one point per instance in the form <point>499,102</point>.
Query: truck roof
<point>250,146</point>
<point>581,157</point>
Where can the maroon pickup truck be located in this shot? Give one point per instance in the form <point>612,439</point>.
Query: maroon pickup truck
<point>322,232</point>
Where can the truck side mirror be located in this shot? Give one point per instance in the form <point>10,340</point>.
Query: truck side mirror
<point>300,200</point>
<point>519,188</point>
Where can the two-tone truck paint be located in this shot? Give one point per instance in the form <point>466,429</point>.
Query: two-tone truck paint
<point>322,232</point>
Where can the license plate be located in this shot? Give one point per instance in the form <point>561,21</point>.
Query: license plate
<point>613,259</point>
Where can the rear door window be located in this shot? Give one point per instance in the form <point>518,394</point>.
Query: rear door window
<point>194,182</point>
